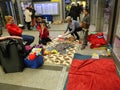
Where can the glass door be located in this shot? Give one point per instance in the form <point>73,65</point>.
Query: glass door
<point>116,43</point>
<point>107,15</point>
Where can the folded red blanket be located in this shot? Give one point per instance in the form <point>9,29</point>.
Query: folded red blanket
<point>93,75</point>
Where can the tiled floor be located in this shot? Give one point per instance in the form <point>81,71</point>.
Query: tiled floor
<point>47,77</point>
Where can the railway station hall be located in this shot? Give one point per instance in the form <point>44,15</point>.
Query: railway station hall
<point>59,44</point>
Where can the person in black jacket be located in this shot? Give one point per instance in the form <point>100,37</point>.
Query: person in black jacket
<point>73,11</point>
<point>31,9</point>
<point>78,10</point>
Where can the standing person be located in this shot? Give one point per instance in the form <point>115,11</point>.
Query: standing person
<point>28,19</point>
<point>86,24</point>
<point>14,30</point>
<point>67,9</point>
<point>81,12</point>
<point>31,9</point>
<point>43,34</point>
<point>81,7</point>
<point>73,27</point>
<point>78,10</point>
<point>73,11</point>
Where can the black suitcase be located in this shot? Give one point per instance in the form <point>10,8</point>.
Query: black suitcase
<point>12,55</point>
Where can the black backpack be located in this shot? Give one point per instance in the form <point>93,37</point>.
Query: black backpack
<point>12,54</point>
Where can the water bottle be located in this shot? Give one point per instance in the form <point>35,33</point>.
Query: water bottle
<point>108,50</point>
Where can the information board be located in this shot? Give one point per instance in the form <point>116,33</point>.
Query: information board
<point>51,8</point>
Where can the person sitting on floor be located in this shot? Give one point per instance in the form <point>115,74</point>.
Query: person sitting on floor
<point>14,30</point>
<point>43,34</point>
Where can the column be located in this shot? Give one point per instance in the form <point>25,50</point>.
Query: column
<point>100,5</point>
<point>92,11</point>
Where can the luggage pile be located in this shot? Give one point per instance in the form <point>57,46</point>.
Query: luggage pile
<point>12,55</point>
<point>14,58</point>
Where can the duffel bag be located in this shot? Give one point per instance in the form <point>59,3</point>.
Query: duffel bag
<point>35,58</point>
<point>36,63</point>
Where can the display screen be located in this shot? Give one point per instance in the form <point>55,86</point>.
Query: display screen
<point>67,1</point>
<point>51,8</point>
<point>40,0</point>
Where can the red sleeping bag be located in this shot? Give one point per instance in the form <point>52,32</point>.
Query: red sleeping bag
<point>93,75</point>
<point>96,40</point>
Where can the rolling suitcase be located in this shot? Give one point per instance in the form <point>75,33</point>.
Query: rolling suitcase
<point>12,55</point>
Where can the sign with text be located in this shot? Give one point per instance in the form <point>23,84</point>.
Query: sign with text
<point>50,8</point>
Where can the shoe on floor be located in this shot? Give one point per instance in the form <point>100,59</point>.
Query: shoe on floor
<point>83,47</point>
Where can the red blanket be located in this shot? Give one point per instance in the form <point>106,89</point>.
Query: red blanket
<point>93,75</point>
<point>96,40</point>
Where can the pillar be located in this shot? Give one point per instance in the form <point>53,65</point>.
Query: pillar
<point>100,5</point>
<point>92,11</point>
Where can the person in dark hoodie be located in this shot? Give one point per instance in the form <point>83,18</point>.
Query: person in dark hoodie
<point>73,11</point>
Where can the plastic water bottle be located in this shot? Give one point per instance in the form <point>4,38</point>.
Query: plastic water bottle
<point>108,50</point>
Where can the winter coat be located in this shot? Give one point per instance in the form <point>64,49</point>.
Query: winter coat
<point>14,30</point>
<point>28,14</point>
<point>43,33</point>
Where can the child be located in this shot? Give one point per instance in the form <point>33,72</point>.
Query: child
<point>39,20</point>
<point>44,34</point>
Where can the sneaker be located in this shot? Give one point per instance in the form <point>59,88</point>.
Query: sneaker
<point>83,47</point>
